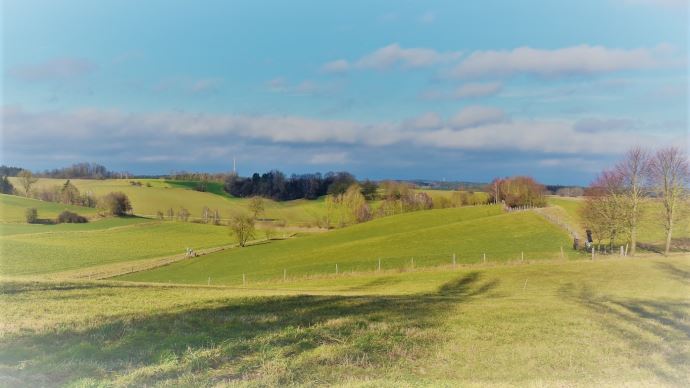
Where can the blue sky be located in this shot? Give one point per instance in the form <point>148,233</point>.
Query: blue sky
<point>385,89</point>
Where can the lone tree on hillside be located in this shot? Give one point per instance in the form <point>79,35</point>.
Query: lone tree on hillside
<point>670,175</point>
<point>116,204</point>
<point>242,227</point>
<point>634,171</point>
<point>26,180</point>
<point>256,206</point>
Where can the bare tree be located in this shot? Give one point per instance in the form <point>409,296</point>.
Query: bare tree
<point>205,214</point>
<point>605,211</point>
<point>183,214</point>
<point>256,206</point>
<point>26,180</point>
<point>670,175</point>
<point>634,170</point>
<point>242,227</point>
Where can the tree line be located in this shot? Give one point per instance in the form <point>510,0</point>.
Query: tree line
<point>616,200</point>
<point>275,185</point>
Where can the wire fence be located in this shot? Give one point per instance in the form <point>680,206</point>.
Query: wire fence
<point>333,268</point>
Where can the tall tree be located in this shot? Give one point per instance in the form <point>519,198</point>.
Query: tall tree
<point>242,227</point>
<point>26,180</point>
<point>670,175</point>
<point>634,171</point>
<point>256,206</point>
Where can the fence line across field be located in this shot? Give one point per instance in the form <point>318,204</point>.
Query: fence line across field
<point>394,263</point>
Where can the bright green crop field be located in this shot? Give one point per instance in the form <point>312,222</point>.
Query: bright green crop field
<point>612,322</point>
<point>418,239</point>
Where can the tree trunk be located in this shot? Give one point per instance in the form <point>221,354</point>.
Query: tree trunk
<point>633,240</point>
<point>669,233</point>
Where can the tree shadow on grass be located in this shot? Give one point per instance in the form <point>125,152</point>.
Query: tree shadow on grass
<point>655,329</point>
<point>271,340</point>
<point>675,272</point>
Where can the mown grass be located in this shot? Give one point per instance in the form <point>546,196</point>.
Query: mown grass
<point>99,224</point>
<point>418,239</point>
<point>13,209</point>
<point>611,322</point>
<point>70,247</point>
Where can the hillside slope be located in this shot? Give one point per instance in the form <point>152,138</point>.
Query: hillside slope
<point>427,238</point>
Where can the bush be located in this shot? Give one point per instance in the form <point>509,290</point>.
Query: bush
<point>116,203</point>
<point>32,215</point>
<point>70,218</point>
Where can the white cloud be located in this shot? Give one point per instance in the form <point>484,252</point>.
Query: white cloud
<point>576,60</point>
<point>473,116</point>
<point>337,66</point>
<point>329,158</point>
<point>474,90</point>
<point>100,132</point>
<point>429,120</point>
<point>205,85</point>
<point>545,136</point>
<point>304,88</point>
<point>54,69</point>
<point>391,56</point>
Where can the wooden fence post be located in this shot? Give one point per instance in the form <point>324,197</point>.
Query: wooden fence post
<point>484,257</point>
<point>209,281</point>
<point>244,280</point>
<point>562,254</point>
<point>336,269</point>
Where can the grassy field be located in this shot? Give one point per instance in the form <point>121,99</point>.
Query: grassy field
<point>427,238</point>
<point>13,209</point>
<point>619,322</point>
<point>163,195</point>
<point>65,247</point>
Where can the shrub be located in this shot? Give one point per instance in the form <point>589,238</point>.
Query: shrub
<point>116,203</point>
<point>70,218</point>
<point>31,215</point>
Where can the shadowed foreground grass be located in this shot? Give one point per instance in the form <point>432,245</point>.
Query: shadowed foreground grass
<point>621,321</point>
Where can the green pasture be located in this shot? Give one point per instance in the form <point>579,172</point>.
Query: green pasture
<point>612,322</point>
<point>418,239</point>
<point>13,209</point>
<point>163,195</point>
<point>63,247</point>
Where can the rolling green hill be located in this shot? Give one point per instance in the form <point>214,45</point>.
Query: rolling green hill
<point>13,209</point>
<point>163,195</point>
<point>420,238</point>
<point>102,242</point>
